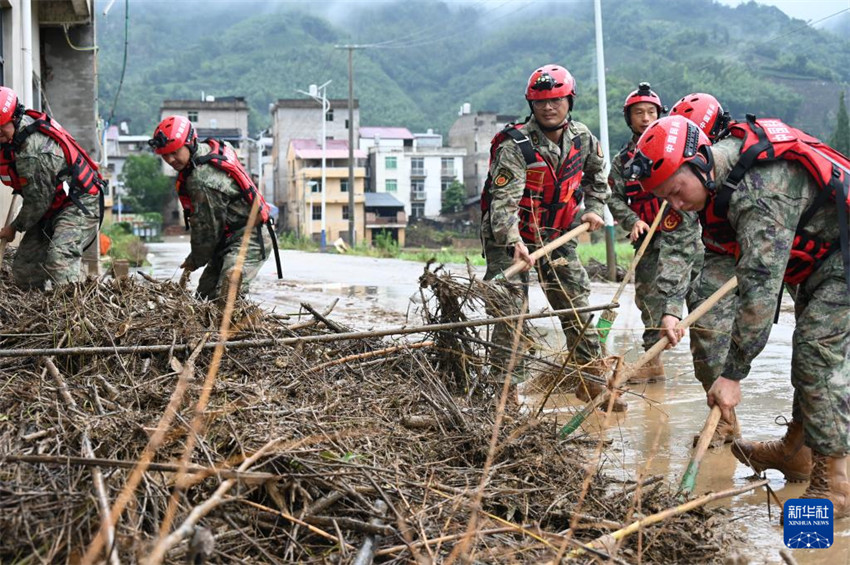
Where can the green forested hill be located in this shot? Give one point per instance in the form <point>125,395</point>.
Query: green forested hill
<point>427,57</point>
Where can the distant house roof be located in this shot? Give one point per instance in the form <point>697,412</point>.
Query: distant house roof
<point>223,102</point>
<point>335,149</point>
<point>385,133</point>
<point>382,200</point>
<point>230,134</point>
<point>301,103</point>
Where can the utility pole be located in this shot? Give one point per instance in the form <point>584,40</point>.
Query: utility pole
<point>352,232</point>
<point>610,252</point>
<point>323,100</point>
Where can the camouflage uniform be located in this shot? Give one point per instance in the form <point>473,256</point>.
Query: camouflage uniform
<point>217,202</point>
<point>51,248</point>
<point>672,260</point>
<point>561,275</point>
<point>764,211</point>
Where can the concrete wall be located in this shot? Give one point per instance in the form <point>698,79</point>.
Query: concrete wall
<point>301,119</point>
<point>474,132</point>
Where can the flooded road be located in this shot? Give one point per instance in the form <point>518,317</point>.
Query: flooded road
<point>654,436</point>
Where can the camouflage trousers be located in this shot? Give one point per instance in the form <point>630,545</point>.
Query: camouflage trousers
<point>52,250</point>
<point>649,299</point>
<point>820,354</point>
<point>820,359</point>
<point>711,335</point>
<point>566,285</point>
<point>215,280</point>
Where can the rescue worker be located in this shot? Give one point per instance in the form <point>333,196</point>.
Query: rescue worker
<point>216,194</point>
<point>674,255</point>
<point>540,173</point>
<point>774,220</point>
<point>61,190</point>
<point>710,335</point>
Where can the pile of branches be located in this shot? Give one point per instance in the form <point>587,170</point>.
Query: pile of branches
<point>306,452</point>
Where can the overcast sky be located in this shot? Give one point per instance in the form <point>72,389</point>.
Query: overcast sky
<point>802,9</point>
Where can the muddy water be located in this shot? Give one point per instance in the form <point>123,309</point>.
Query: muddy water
<point>655,435</point>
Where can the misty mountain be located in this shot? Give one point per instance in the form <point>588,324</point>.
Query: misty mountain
<point>422,60</point>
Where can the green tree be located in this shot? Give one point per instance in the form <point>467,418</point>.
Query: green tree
<point>841,136</point>
<point>147,188</point>
<point>453,198</point>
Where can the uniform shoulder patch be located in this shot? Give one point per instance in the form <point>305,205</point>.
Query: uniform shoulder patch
<point>671,220</point>
<point>503,177</point>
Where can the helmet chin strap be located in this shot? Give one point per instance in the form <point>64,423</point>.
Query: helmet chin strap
<point>702,166</point>
<point>555,128</point>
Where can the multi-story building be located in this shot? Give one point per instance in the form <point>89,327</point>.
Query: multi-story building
<point>474,132</point>
<point>301,118</point>
<point>415,168</point>
<point>302,211</point>
<point>47,58</point>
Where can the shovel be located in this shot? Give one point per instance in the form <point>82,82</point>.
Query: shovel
<point>606,320</point>
<point>554,244</point>
<point>620,379</point>
<point>6,223</point>
<point>689,479</point>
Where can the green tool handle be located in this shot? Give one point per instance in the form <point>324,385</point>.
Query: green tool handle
<point>689,479</point>
<point>659,346</point>
<point>554,244</point>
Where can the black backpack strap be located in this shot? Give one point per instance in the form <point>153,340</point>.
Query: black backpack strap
<point>524,144</point>
<point>748,157</point>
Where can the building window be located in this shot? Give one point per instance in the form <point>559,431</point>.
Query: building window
<point>343,185</point>
<point>329,115</point>
<point>417,210</point>
<point>345,212</point>
<point>346,124</point>
<point>316,186</point>
<point>193,116</point>
<point>447,167</point>
<point>445,184</point>
<point>317,212</point>
<point>391,162</point>
<point>391,185</point>
<point>417,166</point>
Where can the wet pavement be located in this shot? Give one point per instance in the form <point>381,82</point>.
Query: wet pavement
<point>654,436</point>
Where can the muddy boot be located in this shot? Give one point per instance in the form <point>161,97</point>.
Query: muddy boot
<point>787,455</point>
<point>650,372</point>
<point>726,432</point>
<point>829,480</point>
<point>588,390</point>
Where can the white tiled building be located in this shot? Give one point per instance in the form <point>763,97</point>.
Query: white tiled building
<point>415,168</point>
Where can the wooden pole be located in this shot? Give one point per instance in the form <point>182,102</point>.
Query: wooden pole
<point>554,244</point>
<point>689,479</point>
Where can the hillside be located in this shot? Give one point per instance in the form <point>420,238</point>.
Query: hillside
<point>426,58</point>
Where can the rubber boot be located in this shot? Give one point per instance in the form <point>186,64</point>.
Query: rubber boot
<point>588,390</point>
<point>829,480</point>
<point>650,372</point>
<point>726,432</point>
<point>787,455</point>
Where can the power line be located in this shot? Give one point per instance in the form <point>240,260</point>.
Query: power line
<point>124,65</point>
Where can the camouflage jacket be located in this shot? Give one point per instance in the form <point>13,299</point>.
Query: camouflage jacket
<point>764,212</point>
<point>217,202</point>
<point>678,248</point>
<point>508,160</point>
<point>39,161</point>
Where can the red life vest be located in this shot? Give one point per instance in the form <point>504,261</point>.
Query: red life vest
<point>82,170</point>
<point>771,140</point>
<point>551,197</point>
<point>223,158</point>
<point>645,204</point>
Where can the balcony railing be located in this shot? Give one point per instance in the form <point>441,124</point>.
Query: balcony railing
<point>417,172</point>
<point>417,195</point>
<point>448,172</point>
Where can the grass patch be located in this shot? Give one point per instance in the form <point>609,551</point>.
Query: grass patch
<point>125,245</point>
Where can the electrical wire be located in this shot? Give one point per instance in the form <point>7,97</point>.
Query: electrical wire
<point>74,47</point>
<point>124,65</point>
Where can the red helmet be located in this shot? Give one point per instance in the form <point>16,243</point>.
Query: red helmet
<point>171,134</point>
<point>642,94</point>
<point>8,105</point>
<point>551,81</point>
<point>666,145</point>
<point>705,111</point>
